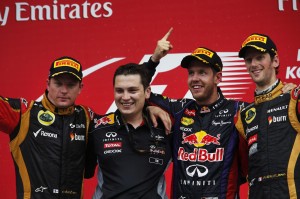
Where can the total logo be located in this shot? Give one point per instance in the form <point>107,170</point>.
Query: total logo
<point>73,136</point>
<point>200,139</point>
<point>275,119</point>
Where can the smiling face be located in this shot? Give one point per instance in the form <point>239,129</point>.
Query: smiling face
<point>202,82</point>
<point>130,95</point>
<point>63,90</point>
<point>261,67</point>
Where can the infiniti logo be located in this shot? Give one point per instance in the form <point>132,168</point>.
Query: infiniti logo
<point>196,170</point>
<point>111,134</point>
<point>223,111</point>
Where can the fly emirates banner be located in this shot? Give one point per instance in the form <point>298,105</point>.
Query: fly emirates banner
<point>104,34</point>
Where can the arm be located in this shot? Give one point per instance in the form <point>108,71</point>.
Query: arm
<point>243,159</point>
<point>157,113</point>
<point>91,157</point>
<point>288,87</point>
<point>162,49</point>
<point>10,112</point>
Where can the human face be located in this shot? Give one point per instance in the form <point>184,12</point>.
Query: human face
<point>202,82</point>
<point>63,90</point>
<point>261,68</point>
<point>130,96</point>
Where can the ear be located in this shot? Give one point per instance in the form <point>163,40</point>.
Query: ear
<point>275,61</point>
<point>80,87</point>
<point>148,92</point>
<point>47,84</point>
<point>218,78</point>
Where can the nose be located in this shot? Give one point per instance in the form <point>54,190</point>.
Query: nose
<point>64,88</point>
<point>195,77</point>
<point>125,96</point>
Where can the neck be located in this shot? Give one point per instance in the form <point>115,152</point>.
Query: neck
<point>266,88</point>
<point>209,101</point>
<point>134,120</point>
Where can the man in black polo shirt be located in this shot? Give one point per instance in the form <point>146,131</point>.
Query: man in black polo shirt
<point>132,155</point>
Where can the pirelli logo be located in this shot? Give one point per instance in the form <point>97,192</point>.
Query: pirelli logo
<point>203,51</point>
<point>255,38</point>
<point>67,62</point>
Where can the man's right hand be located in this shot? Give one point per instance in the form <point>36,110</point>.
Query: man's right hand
<point>163,47</point>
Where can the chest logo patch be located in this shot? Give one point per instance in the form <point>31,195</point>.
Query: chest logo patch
<point>46,118</point>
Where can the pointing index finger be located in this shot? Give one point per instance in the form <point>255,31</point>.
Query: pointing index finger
<point>168,34</point>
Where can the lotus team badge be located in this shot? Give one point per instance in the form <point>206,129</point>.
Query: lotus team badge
<point>46,118</point>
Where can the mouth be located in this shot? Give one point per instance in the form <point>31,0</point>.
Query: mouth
<point>197,87</point>
<point>63,98</point>
<point>256,71</point>
<point>127,104</point>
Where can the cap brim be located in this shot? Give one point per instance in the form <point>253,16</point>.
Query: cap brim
<point>186,61</point>
<point>64,72</point>
<point>244,49</point>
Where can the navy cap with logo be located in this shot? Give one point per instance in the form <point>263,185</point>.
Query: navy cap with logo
<point>66,65</point>
<point>206,56</point>
<point>260,42</point>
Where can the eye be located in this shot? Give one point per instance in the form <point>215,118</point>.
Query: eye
<point>248,61</point>
<point>202,72</point>
<point>71,85</point>
<point>119,91</point>
<point>190,73</point>
<point>133,91</point>
<point>260,57</point>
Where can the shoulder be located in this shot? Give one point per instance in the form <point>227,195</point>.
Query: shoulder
<point>89,111</point>
<point>103,121</point>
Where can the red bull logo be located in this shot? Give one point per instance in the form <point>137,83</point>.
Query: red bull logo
<point>190,139</point>
<point>104,120</point>
<point>209,139</point>
<point>200,139</point>
<point>201,155</point>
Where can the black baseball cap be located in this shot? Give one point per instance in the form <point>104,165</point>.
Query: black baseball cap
<point>206,56</point>
<point>66,65</point>
<point>260,42</point>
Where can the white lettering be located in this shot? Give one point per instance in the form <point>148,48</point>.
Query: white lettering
<point>19,9</point>
<point>198,182</point>
<point>40,9</point>
<point>26,12</point>
<point>79,137</point>
<point>295,5</point>
<point>251,129</point>
<point>107,8</point>
<point>298,57</point>
<point>292,72</point>
<point>75,13</point>
<point>85,7</point>
<point>279,119</point>
<point>113,151</point>
<point>50,135</point>
<point>3,19</point>
<point>281,8</point>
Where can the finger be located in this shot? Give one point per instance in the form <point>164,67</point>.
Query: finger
<point>168,124</point>
<point>168,34</point>
<point>153,119</point>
